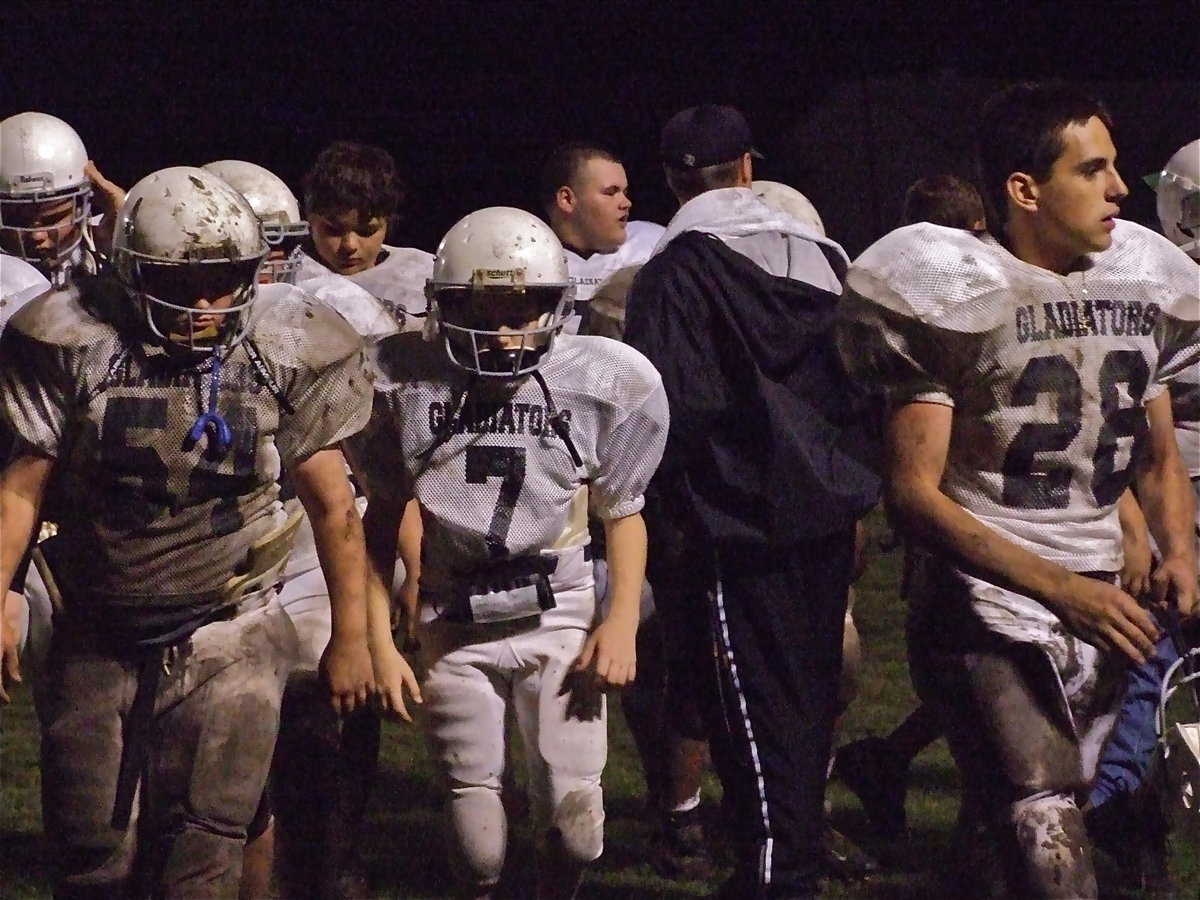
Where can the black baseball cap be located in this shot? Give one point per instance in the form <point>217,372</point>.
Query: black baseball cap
<point>706,135</point>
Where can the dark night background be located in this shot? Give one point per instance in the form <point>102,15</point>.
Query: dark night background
<point>849,101</point>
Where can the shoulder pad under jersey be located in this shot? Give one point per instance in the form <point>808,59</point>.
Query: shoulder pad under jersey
<point>61,318</point>
<point>945,277</point>
<point>612,369</point>
<point>1144,261</point>
<point>17,277</point>
<point>366,314</point>
<point>400,279</point>
<point>19,283</point>
<point>294,329</point>
<point>640,240</point>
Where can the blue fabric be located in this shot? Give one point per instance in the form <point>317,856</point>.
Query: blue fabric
<point>1130,747</point>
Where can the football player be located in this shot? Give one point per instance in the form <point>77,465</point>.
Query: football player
<point>168,401</point>
<point>495,424</point>
<point>351,196</point>
<point>319,791</point>
<point>1027,371</point>
<point>47,185</point>
<point>20,282</point>
<point>585,194</point>
<point>1123,813</point>
<point>1178,199</point>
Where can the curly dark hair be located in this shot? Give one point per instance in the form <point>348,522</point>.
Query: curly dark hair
<point>349,176</point>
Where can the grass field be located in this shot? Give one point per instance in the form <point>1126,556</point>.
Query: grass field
<point>404,850</point>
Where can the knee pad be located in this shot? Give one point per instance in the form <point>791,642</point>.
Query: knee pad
<point>578,822</point>
<point>478,835</point>
<point>1053,846</point>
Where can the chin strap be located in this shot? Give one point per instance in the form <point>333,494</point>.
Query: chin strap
<point>561,426</point>
<point>220,435</point>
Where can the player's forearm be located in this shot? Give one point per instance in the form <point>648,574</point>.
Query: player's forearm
<point>381,527</point>
<point>626,540</point>
<point>338,536</point>
<point>1133,524</point>
<point>918,442</point>
<point>1169,506</point>
<point>328,498</point>
<point>934,520</point>
<point>408,544</point>
<point>22,485</point>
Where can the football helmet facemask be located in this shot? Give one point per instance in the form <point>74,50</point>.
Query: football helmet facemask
<point>184,235</point>
<point>1178,190</point>
<point>500,292</point>
<point>44,193</point>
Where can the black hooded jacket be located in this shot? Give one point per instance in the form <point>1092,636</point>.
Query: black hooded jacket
<point>770,442</point>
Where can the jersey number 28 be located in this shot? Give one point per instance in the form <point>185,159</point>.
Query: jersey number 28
<point>1027,487</point>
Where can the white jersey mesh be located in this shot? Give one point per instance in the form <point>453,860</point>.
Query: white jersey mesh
<point>500,482</point>
<point>366,314</point>
<point>588,274</point>
<point>1047,373</point>
<point>399,283</point>
<point>144,513</point>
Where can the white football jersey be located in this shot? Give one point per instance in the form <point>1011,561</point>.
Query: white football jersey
<point>495,479</point>
<point>20,282</point>
<point>398,282</point>
<point>1047,373</point>
<point>588,274</point>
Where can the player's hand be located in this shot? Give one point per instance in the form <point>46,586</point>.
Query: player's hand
<point>10,661</point>
<point>404,613</point>
<point>584,699</point>
<point>348,674</point>
<point>107,199</point>
<point>393,675</point>
<point>1174,582</point>
<point>1104,615</point>
<point>609,655</point>
<point>1135,573</point>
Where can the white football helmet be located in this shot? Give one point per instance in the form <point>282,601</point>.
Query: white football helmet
<point>788,200</point>
<point>278,210</point>
<point>1178,191</point>
<point>44,194</point>
<point>502,254</point>
<point>184,234</point>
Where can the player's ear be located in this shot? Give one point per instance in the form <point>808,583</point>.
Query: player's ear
<point>565,199</point>
<point>1023,191</point>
